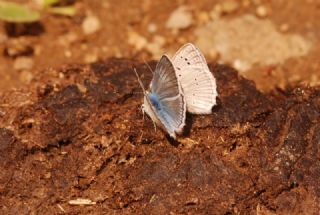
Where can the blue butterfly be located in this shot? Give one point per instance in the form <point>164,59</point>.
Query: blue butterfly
<point>164,102</point>
<point>183,84</point>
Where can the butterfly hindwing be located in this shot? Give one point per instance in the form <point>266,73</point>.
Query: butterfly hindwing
<point>164,82</point>
<point>198,83</point>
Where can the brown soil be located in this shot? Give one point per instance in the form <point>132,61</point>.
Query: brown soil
<point>83,136</point>
<point>77,131</point>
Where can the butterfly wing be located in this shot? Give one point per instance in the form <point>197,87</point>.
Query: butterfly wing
<point>167,98</point>
<point>198,84</point>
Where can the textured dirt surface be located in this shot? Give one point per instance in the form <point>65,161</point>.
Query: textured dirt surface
<point>78,132</point>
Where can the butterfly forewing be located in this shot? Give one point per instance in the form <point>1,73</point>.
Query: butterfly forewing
<point>165,83</point>
<point>167,89</point>
<point>198,83</point>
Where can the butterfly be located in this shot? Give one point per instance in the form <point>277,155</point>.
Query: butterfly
<point>182,84</point>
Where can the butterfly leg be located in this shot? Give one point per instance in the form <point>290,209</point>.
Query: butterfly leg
<point>142,109</point>
<point>155,126</point>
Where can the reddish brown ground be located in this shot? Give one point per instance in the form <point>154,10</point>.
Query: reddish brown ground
<point>83,136</point>
<point>77,131</point>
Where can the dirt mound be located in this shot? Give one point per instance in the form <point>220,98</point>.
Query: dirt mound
<point>78,132</point>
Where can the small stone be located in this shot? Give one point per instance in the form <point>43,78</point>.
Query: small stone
<point>152,28</point>
<point>241,65</point>
<point>68,39</point>
<point>136,40</point>
<point>80,201</point>
<point>82,88</point>
<point>156,47</point>
<point>90,58</point>
<point>104,48</point>
<point>160,40</point>
<point>61,75</point>
<point>180,18</point>
<point>67,53</point>
<point>155,50</point>
<point>242,42</point>
<point>91,24</point>
<point>229,6</point>
<point>47,175</point>
<point>18,47</point>
<point>118,54</point>
<point>26,76</point>
<point>284,27</point>
<point>202,17</point>
<point>23,63</point>
<point>261,11</point>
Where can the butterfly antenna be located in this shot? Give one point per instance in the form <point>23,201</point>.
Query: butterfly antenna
<point>148,65</point>
<point>139,80</point>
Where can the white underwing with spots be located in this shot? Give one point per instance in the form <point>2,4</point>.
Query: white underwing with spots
<point>197,82</point>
